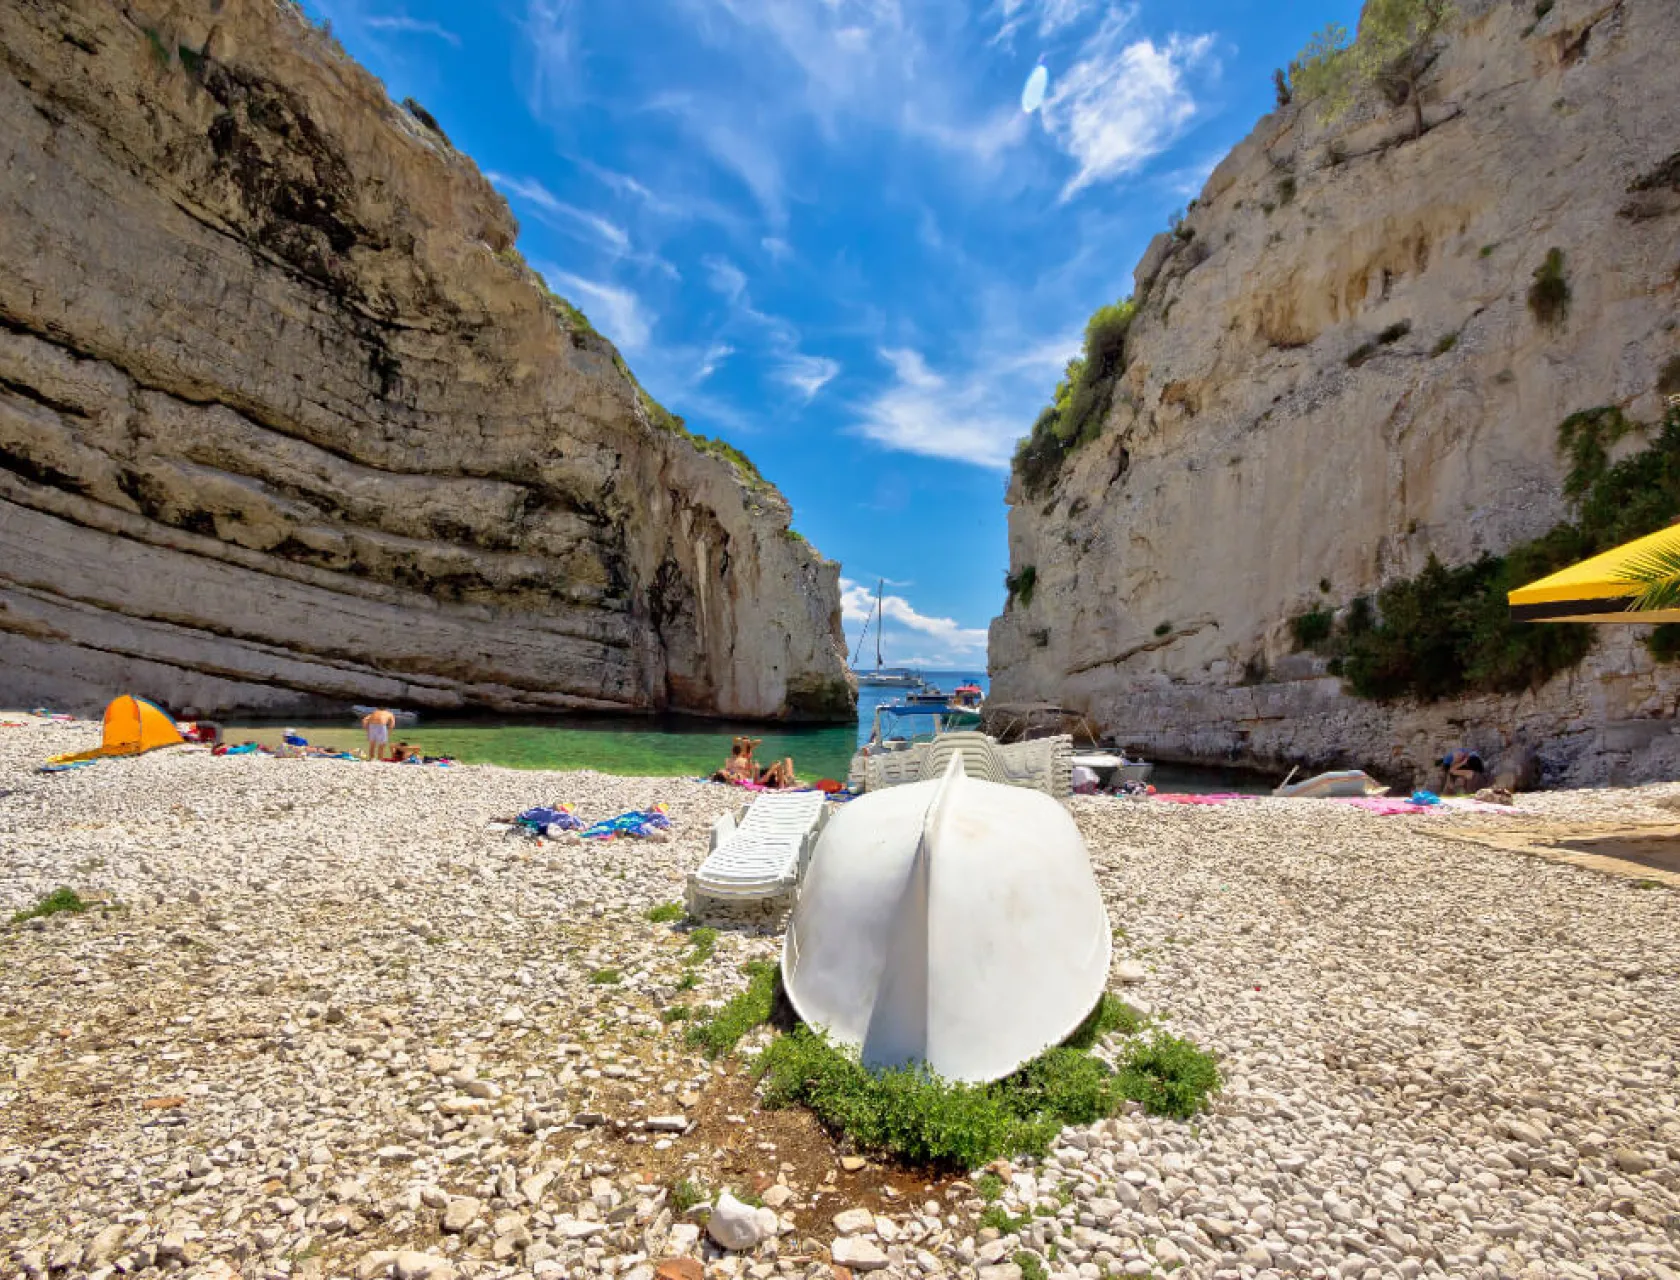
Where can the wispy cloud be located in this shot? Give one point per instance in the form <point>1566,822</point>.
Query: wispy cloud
<point>950,641</point>
<point>715,355</point>
<point>1052,16</point>
<point>551,44</point>
<point>613,309</point>
<point>973,416</point>
<point>415,26</point>
<point>727,278</point>
<point>807,374</point>
<point>1122,103</point>
<point>560,215</point>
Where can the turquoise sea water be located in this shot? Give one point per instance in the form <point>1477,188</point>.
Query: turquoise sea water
<point>678,746</point>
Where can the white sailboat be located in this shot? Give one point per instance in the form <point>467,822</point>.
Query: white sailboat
<point>882,677</point>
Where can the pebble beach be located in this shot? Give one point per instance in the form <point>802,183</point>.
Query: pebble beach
<point>323,1021</point>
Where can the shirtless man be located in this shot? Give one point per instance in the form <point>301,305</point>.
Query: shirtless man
<point>378,724</point>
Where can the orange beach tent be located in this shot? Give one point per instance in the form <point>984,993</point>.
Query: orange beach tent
<point>132,725</point>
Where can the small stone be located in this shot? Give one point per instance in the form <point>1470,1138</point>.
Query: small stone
<point>1131,972</point>
<point>376,1264</point>
<point>735,1226</point>
<point>851,1221</point>
<point>1630,1161</point>
<point>667,1124</point>
<point>462,1213</point>
<point>859,1254</point>
<point>777,1196</point>
<point>851,1164</point>
<point>512,1016</point>
<point>679,1269</point>
<point>684,1236</point>
<point>412,1265</point>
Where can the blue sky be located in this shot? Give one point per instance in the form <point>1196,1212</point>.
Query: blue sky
<point>826,231</point>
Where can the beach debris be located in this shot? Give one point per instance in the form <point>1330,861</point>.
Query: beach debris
<point>737,1226</point>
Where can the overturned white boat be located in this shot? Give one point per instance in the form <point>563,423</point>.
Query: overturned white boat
<point>954,922</point>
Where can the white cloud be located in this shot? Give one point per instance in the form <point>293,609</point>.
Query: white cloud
<point>948,641</point>
<point>552,44</point>
<point>715,355</point>
<point>1122,104</point>
<point>972,416</point>
<point>1052,15</point>
<point>615,311</point>
<point>807,374</point>
<point>778,249</point>
<point>560,215</point>
<point>416,26</point>
<point>727,278</point>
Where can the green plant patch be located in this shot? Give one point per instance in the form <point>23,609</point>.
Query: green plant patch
<point>666,913</point>
<point>1020,586</point>
<point>1664,642</point>
<point>1032,1266</point>
<point>60,901</point>
<point>719,1033</point>
<point>703,942</point>
<point>1169,1076</point>
<point>685,1194</point>
<point>606,977</point>
<point>912,1114</point>
<point>1312,628</point>
<point>1002,1221</point>
<point>989,1187</point>
<point>1082,400</point>
<point>1548,296</point>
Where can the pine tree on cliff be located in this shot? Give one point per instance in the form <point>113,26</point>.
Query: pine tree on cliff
<point>1392,50</point>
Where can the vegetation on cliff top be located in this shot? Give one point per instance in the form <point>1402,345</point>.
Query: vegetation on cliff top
<point>1082,401</point>
<point>1448,631</point>
<point>1390,53</point>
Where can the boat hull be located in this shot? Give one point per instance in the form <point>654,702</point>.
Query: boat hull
<point>955,923</point>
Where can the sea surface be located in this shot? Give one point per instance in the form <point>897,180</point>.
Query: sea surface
<point>680,746</point>
<point>670,746</point>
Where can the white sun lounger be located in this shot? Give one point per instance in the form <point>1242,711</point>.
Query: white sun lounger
<point>761,852</point>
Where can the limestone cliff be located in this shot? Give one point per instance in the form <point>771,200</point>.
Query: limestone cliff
<point>285,421</point>
<point>1335,371</point>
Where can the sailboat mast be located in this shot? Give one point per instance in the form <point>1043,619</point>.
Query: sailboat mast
<point>878,586</point>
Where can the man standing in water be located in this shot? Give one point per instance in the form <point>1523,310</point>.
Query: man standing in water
<point>378,724</point>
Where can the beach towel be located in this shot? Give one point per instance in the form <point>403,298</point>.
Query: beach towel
<point>66,767</point>
<point>638,822</point>
<point>550,820</point>
<point>1173,797</point>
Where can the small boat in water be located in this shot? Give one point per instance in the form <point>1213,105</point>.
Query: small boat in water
<point>955,923</point>
<point>1111,769</point>
<point>1339,784</point>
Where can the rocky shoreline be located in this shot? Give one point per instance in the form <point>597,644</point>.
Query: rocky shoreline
<point>330,1024</point>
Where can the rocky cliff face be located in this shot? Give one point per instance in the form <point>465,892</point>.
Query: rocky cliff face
<point>285,420</point>
<point>1335,372</point>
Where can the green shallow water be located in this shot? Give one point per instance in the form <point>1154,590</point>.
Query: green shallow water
<point>641,752</point>
<point>672,746</point>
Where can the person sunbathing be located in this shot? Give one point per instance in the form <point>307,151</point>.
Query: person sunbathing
<point>779,774</point>
<point>739,766</point>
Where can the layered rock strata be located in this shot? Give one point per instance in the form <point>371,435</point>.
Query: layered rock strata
<point>285,421</point>
<point>1335,372</point>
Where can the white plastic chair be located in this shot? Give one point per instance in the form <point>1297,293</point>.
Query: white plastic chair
<point>763,851</point>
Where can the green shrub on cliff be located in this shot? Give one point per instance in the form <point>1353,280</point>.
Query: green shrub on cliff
<point>1448,631</point>
<point>1083,398</point>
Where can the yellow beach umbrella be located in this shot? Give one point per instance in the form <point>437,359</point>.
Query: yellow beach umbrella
<point>1638,581</point>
